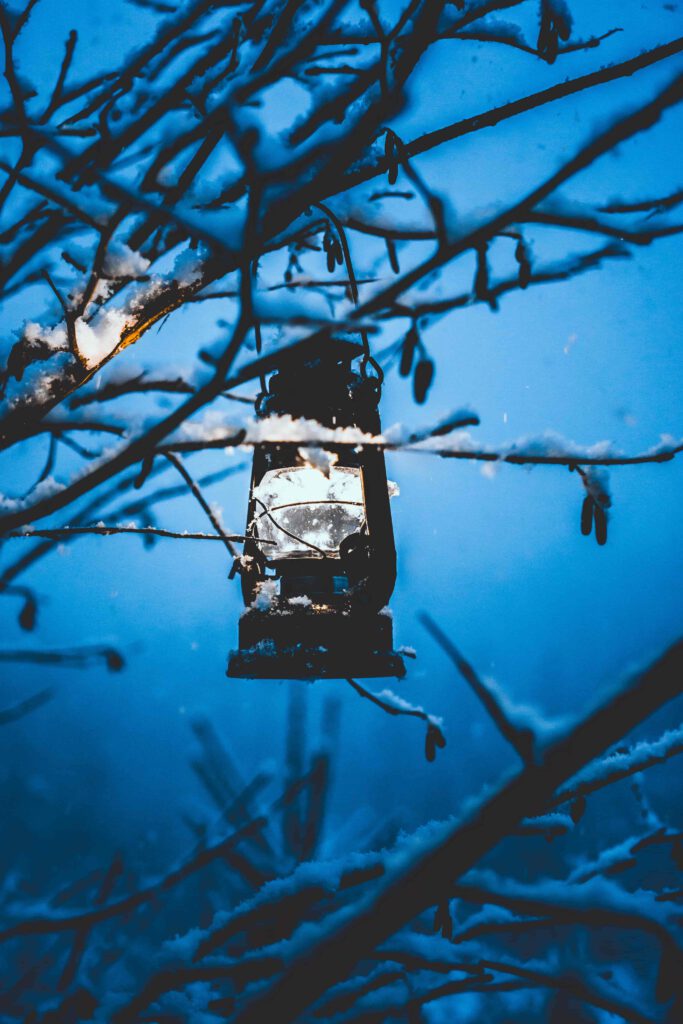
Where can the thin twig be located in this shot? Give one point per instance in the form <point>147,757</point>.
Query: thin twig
<point>197,494</point>
<point>394,705</point>
<point>107,530</point>
<point>521,739</point>
<point>24,707</point>
<point>72,656</point>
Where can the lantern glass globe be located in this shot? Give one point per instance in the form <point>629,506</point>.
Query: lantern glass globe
<point>305,512</point>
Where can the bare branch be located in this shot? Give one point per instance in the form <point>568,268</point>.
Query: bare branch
<point>621,765</point>
<point>25,707</point>
<point>521,739</point>
<point>196,492</point>
<point>108,530</point>
<point>79,657</point>
<point>408,889</point>
<point>394,705</point>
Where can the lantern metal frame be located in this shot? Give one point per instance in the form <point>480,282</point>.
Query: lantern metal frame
<point>330,618</point>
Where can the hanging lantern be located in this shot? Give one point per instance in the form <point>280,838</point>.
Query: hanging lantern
<point>319,562</point>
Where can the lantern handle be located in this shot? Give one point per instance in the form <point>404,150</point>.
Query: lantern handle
<point>260,398</point>
<point>370,361</point>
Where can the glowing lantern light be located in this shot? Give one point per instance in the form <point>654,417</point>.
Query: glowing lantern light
<point>319,564</point>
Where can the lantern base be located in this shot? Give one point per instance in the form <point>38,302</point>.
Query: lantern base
<point>318,642</point>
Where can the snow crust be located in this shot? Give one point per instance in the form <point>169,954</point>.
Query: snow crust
<point>97,339</point>
<point>389,697</point>
<point>122,261</point>
<point>266,596</point>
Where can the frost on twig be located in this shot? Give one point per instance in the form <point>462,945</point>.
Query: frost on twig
<point>621,764</point>
<point>110,529</point>
<point>392,704</point>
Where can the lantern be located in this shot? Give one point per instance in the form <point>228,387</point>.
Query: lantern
<point>319,562</point>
